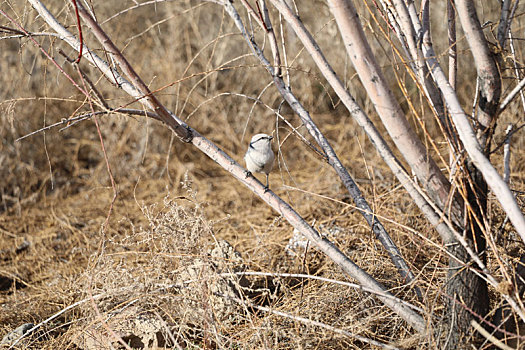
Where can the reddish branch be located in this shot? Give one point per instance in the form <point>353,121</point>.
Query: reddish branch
<point>182,132</point>
<point>79,31</point>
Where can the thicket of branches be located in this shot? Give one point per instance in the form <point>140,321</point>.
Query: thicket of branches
<point>436,140</point>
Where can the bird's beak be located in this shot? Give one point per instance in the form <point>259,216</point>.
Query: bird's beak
<point>270,138</point>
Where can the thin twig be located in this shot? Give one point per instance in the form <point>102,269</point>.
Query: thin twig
<point>507,100</point>
<point>452,47</point>
<point>513,50</point>
<point>104,323</point>
<point>506,167</point>
<point>80,36</point>
<point>318,278</point>
<point>507,136</point>
<point>182,132</point>
<point>100,98</point>
<point>89,115</point>
<point>52,317</point>
<point>5,29</point>
<point>310,322</point>
<point>271,36</point>
<point>26,33</point>
<point>506,154</point>
<point>103,147</point>
<point>489,336</point>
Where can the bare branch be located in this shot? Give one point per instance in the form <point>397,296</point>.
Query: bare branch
<point>503,25</point>
<point>473,148</point>
<point>506,165</point>
<point>79,118</point>
<point>334,161</point>
<point>506,154</point>
<point>271,35</point>
<point>452,48</point>
<point>513,51</point>
<point>488,74</point>
<point>489,336</point>
<point>511,95</point>
<point>152,101</point>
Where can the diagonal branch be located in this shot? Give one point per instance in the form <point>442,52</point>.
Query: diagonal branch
<point>471,144</point>
<point>271,35</point>
<point>504,22</point>
<point>333,160</point>
<point>507,100</point>
<point>152,101</point>
<point>385,103</point>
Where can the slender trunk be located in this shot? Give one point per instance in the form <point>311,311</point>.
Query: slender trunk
<point>386,105</point>
<point>467,291</point>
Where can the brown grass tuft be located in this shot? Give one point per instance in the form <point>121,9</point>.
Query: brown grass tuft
<point>161,262</point>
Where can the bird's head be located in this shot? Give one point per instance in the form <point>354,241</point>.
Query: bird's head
<point>261,141</point>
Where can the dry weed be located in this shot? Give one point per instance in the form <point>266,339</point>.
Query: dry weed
<point>160,265</point>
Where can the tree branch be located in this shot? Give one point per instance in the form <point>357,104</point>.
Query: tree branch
<point>473,148</point>
<point>488,74</point>
<point>333,160</point>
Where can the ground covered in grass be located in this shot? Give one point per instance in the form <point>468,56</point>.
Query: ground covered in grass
<point>178,253</point>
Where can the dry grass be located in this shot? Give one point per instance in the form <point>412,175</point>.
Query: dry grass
<point>174,205</point>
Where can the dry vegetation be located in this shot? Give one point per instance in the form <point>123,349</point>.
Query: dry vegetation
<point>174,205</point>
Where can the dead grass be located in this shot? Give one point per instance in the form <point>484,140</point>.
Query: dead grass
<point>174,205</point>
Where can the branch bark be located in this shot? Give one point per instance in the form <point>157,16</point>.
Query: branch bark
<point>471,144</point>
<point>503,25</point>
<point>386,105</point>
<point>452,47</point>
<point>488,74</point>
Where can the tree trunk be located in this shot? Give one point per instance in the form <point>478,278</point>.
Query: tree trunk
<point>467,292</point>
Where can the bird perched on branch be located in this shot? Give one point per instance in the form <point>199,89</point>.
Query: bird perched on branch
<point>259,157</point>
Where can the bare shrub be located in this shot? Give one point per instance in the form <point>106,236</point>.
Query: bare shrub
<point>380,131</point>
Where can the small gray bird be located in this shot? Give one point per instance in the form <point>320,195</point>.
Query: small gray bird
<point>259,157</point>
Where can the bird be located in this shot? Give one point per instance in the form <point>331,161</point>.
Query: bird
<point>259,157</point>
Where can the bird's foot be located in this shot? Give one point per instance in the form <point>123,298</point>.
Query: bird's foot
<point>266,189</point>
<point>248,174</point>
